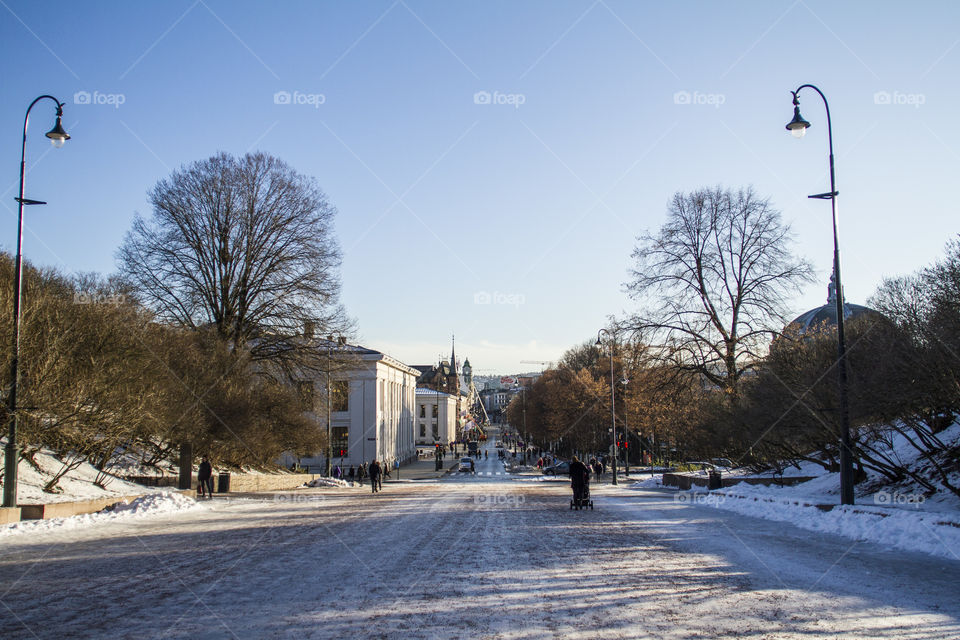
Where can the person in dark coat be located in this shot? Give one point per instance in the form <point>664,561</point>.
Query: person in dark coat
<point>352,473</point>
<point>205,478</point>
<point>594,466</point>
<point>375,475</point>
<point>579,477</point>
<point>361,473</point>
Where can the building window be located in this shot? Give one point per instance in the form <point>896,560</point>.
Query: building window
<point>340,395</point>
<point>423,430</point>
<point>305,392</point>
<point>423,411</point>
<point>340,438</point>
<point>436,432</point>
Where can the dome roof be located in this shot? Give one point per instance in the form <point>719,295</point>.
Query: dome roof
<point>826,316</point>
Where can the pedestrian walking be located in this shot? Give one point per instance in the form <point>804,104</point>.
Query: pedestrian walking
<point>361,473</point>
<point>375,476</point>
<point>205,478</point>
<point>351,474</point>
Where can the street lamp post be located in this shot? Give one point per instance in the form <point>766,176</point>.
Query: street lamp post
<point>12,452</point>
<point>626,429</point>
<point>798,127</point>
<point>613,406</point>
<point>340,341</point>
<point>526,443</point>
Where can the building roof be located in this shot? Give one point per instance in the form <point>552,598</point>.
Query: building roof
<point>423,368</point>
<point>423,391</point>
<point>826,316</point>
<point>364,353</point>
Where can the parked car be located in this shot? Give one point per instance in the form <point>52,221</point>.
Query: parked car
<point>700,464</point>
<point>723,463</point>
<point>559,469</point>
<point>466,464</point>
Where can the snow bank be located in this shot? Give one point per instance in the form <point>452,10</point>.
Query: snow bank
<point>331,482</point>
<point>166,502</point>
<point>924,531</point>
<point>143,507</point>
<point>650,482</point>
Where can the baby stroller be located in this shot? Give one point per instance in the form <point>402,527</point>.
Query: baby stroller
<point>581,494</point>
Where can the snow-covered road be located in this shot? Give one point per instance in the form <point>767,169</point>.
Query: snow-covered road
<point>469,556</point>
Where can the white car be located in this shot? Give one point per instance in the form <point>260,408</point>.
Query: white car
<point>466,464</point>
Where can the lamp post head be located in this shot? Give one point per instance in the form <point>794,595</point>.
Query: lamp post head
<point>798,126</point>
<point>58,135</point>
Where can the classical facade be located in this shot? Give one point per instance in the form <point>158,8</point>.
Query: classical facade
<point>436,417</point>
<point>372,407</point>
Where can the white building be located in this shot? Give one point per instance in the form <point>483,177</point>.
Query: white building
<point>436,417</point>
<point>372,409</point>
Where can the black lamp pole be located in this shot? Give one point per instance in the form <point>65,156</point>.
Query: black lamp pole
<point>328,466</point>
<point>613,406</point>
<point>12,451</point>
<point>339,341</point>
<point>798,127</point>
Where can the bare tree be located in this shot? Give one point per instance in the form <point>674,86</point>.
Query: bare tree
<point>714,282</point>
<point>244,245</point>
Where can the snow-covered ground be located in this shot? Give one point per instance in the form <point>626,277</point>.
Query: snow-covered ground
<point>466,557</point>
<point>913,526</point>
<point>77,485</point>
<point>896,516</point>
<point>933,532</point>
<point>160,502</point>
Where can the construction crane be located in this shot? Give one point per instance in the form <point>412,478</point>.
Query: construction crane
<point>542,363</point>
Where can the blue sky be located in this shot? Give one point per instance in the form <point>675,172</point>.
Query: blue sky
<point>508,222</point>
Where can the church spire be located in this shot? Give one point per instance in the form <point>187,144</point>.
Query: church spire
<point>453,353</point>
